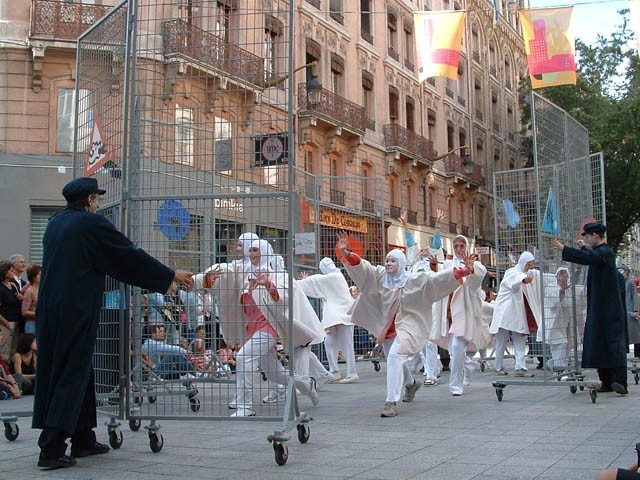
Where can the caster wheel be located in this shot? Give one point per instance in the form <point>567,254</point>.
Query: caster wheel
<point>134,425</point>
<point>115,439</point>
<point>11,431</point>
<point>636,378</point>
<point>499,394</point>
<point>152,399</point>
<point>195,404</point>
<point>376,367</point>
<point>156,442</point>
<point>264,376</point>
<point>282,453</point>
<point>582,388</point>
<point>573,389</point>
<point>303,432</point>
<point>137,400</point>
<point>482,367</point>
<point>594,395</point>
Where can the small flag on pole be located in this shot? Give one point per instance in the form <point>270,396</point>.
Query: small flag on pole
<point>550,46</point>
<point>634,7</point>
<point>438,42</point>
<point>550,219</point>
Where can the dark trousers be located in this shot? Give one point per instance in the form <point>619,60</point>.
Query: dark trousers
<point>613,375</point>
<point>52,441</point>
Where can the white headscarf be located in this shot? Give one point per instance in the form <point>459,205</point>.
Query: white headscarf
<point>560,269</point>
<point>245,240</point>
<point>327,266</point>
<point>457,261</point>
<point>398,279</point>
<point>524,258</point>
<point>266,256</point>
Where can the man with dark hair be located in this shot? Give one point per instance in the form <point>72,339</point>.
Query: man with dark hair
<point>605,331</point>
<point>80,249</point>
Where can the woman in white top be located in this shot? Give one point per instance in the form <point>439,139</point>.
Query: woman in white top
<point>331,287</point>
<point>516,312</point>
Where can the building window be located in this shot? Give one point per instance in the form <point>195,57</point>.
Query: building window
<point>366,30</point>
<point>393,104</point>
<point>431,123</point>
<point>39,222</point>
<point>461,86</point>
<point>222,146</point>
<point>392,33</point>
<point>271,46</point>
<point>313,54</point>
<point>492,60</point>
<point>337,74</point>
<point>410,114</point>
<point>271,174</point>
<point>368,100</point>
<point>408,46</point>
<point>222,20</point>
<point>335,10</point>
<point>478,100</point>
<point>184,136</point>
<point>66,116</point>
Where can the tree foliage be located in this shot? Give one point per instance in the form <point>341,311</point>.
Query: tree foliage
<point>606,100</point>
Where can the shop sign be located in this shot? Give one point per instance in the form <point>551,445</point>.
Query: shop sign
<point>335,219</point>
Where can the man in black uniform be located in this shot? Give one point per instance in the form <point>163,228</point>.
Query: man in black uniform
<point>80,249</point>
<point>605,332</point>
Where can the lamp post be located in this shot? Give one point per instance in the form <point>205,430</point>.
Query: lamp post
<point>314,91</point>
<point>440,157</point>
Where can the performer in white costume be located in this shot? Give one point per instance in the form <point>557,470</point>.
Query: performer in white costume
<point>395,306</point>
<point>331,287</point>
<point>256,300</point>
<point>516,311</point>
<point>457,319</point>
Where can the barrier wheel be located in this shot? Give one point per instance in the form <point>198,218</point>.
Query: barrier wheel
<point>156,442</point>
<point>499,394</point>
<point>376,366</point>
<point>582,388</point>
<point>11,431</point>
<point>281,452</point>
<point>303,432</point>
<point>115,438</point>
<point>152,399</point>
<point>573,389</point>
<point>593,394</point>
<point>482,367</point>
<point>636,378</point>
<point>134,424</point>
<point>195,404</point>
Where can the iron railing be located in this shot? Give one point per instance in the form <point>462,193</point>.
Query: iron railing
<point>412,217</point>
<point>394,212</point>
<point>368,205</point>
<point>333,106</point>
<point>396,136</point>
<point>63,20</point>
<point>455,164</point>
<point>453,227</point>
<point>179,37</point>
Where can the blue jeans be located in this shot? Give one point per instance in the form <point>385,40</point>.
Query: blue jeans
<point>174,365</point>
<point>30,327</point>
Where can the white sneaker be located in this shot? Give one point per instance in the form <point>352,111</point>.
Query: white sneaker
<point>244,412</point>
<point>187,376</point>
<point>350,379</point>
<point>323,380</point>
<point>334,377</point>
<point>466,379</point>
<point>233,405</point>
<point>274,396</point>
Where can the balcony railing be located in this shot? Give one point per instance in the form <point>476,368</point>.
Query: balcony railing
<point>62,20</point>
<point>496,127</point>
<point>455,164</point>
<point>462,101</point>
<point>396,136</point>
<point>336,196</point>
<point>394,54</point>
<point>476,56</point>
<point>179,37</point>
<point>394,212</point>
<point>412,217</point>
<point>479,115</point>
<point>448,92</point>
<point>369,124</point>
<point>432,222</point>
<point>333,106</point>
<point>465,230</point>
<point>368,205</point>
<point>409,64</point>
<point>453,227</point>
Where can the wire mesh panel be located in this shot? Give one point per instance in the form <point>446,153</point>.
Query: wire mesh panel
<point>194,146</point>
<point>555,198</point>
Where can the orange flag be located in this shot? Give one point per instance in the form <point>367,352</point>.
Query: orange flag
<point>438,41</point>
<point>634,7</point>
<point>550,46</point>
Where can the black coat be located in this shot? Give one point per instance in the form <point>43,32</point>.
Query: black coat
<point>605,331</point>
<point>80,248</point>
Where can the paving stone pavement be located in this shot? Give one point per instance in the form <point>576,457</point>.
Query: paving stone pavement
<point>537,432</point>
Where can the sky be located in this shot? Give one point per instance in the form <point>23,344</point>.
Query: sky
<point>589,17</point>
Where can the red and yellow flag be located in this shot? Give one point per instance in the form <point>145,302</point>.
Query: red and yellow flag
<point>438,41</point>
<point>634,7</point>
<point>550,46</point>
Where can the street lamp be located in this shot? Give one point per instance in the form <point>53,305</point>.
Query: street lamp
<point>314,91</point>
<point>440,157</point>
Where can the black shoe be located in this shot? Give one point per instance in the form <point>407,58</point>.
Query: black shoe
<point>53,463</point>
<point>96,449</point>
<point>604,389</point>
<point>539,366</point>
<point>619,388</point>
